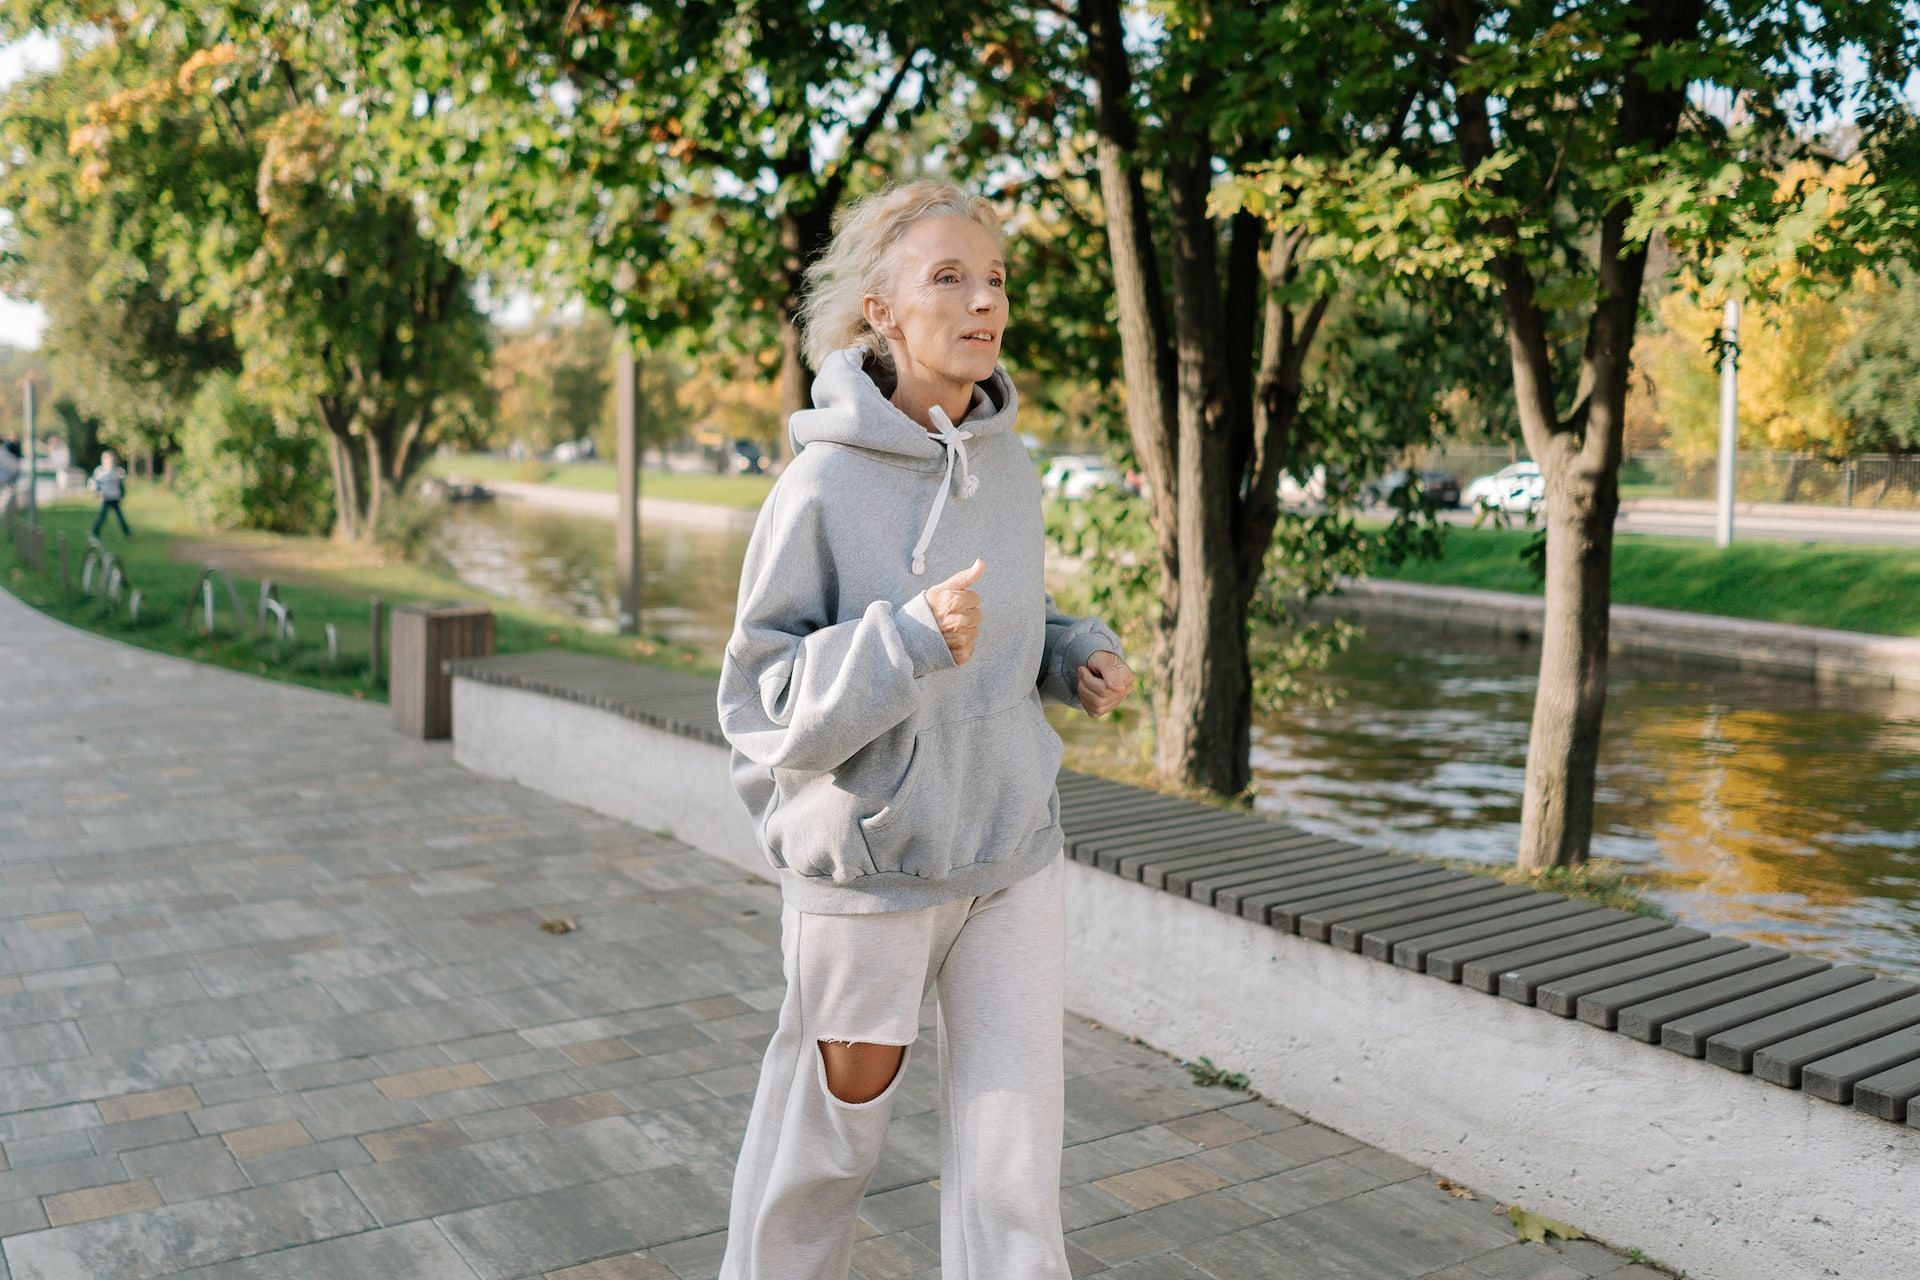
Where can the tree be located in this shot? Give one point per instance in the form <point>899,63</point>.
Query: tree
<point>225,176</point>
<point>1224,293</point>
<point>1875,373</point>
<point>1785,400</point>
<point>1584,139</point>
<point>676,165</point>
<point>116,337</point>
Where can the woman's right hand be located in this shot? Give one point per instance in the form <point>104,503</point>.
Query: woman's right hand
<point>956,607</point>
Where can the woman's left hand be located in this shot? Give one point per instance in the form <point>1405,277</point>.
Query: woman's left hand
<point>1105,679</point>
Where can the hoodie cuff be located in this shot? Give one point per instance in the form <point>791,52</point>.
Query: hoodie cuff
<point>925,643</point>
<point>1081,647</point>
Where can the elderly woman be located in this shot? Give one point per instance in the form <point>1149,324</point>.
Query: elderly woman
<point>882,694</point>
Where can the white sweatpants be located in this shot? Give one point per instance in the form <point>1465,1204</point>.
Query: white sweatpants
<point>808,1157</point>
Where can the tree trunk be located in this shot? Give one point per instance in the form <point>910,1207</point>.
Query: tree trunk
<point>796,382</point>
<point>1894,459</point>
<point>1146,355</point>
<point>376,485</point>
<point>1205,740</point>
<point>804,232</point>
<point>1579,455</point>
<point>1569,708</point>
<point>346,490</point>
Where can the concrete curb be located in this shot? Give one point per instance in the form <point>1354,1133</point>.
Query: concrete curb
<point>1820,654</point>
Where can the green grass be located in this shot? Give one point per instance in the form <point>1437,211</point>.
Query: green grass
<point>1871,589</point>
<point>320,581</point>
<point>745,492</point>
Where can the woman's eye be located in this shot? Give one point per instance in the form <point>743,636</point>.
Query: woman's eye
<point>947,277</point>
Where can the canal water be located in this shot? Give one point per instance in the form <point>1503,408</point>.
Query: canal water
<point>1765,809</point>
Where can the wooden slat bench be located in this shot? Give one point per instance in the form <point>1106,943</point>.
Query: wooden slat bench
<point>1831,1031</point>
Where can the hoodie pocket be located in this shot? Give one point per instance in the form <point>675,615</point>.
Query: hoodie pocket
<point>975,790</point>
<point>812,824</point>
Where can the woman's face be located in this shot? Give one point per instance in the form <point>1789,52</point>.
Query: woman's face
<point>949,289</point>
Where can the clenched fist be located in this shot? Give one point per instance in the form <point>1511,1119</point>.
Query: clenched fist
<point>956,607</point>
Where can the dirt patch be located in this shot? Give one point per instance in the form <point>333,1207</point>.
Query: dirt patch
<point>306,560</point>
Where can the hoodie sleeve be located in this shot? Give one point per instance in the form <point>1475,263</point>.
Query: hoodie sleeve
<point>795,691</point>
<point>1070,641</point>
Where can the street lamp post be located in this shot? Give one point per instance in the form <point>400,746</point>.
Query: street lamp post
<point>33,459</point>
<point>1729,418</point>
<point>626,451</point>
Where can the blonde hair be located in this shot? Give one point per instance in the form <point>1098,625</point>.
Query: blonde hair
<point>859,261</point>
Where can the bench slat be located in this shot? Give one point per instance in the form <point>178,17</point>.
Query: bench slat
<point>1782,1061</point>
<point>1348,933</point>
<point>1890,1094</point>
<point>1318,923</point>
<point>1837,1076</point>
<point>1522,983</point>
<point>1412,952</point>
<point>1485,972</point>
<point>1778,1014</point>
<point>1111,847</point>
<point>1689,1034</point>
<point>1640,1009</point>
<point>1560,995</point>
<point>1287,915</point>
<point>1519,975</point>
<point>1449,962</point>
<point>1378,943</point>
<point>1155,869</point>
<point>1280,907</point>
<point>1285,874</point>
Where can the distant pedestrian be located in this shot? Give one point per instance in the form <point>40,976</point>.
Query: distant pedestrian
<point>111,480</point>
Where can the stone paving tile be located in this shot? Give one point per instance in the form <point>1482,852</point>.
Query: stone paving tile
<point>275,1003</point>
<point>411,1251</point>
<point>628,1266</point>
<point>157,1242</point>
<point>100,1202</point>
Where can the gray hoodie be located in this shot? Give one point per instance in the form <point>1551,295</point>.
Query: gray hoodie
<point>880,774</point>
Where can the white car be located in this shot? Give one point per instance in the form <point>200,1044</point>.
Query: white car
<point>1074,475</point>
<point>1312,489</point>
<point>1516,489</point>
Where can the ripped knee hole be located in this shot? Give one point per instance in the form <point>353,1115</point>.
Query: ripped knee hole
<point>860,1070</point>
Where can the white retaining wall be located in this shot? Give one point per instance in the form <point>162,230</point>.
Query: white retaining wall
<point>1714,1173</point>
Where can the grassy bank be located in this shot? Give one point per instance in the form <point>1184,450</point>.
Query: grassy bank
<point>745,492</point>
<point>1854,588</point>
<point>320,581</point>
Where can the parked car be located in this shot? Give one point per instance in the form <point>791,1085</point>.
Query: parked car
<point>574,450</point>
<point>743,458</point>
<point>1312,488</point>
<point>1074,475</point>
<point>1516,489</point>
<point>1441,484</point>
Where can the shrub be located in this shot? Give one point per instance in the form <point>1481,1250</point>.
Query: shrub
<point>241,468</point>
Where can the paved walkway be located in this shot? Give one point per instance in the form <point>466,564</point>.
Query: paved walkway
<point>275,1002</point>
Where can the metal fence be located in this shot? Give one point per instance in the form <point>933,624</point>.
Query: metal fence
<point>1870,480</point>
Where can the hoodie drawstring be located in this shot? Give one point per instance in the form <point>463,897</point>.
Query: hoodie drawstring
<point>954,439</point>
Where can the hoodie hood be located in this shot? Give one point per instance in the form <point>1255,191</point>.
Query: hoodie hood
<point>850,407</point>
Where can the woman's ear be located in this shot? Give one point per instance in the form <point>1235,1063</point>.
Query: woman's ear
<point>879,317</point>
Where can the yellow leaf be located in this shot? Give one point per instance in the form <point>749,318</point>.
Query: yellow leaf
<point>1536,1227</point>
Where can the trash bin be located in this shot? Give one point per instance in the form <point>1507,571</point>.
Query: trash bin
<point>424,637</point>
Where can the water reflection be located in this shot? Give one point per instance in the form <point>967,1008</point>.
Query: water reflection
<point>1764,809</point>
<point>565,563</point>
